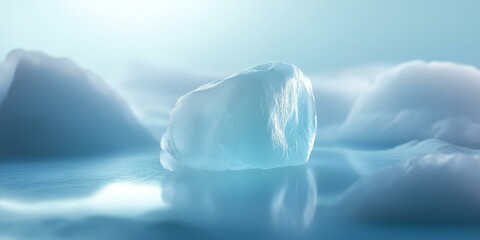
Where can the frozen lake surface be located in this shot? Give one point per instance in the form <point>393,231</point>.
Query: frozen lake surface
<point>133,197</point>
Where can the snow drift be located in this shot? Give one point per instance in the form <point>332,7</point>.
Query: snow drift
<point>417,101</point>
<point>52,107</point>
<point>436,187</point>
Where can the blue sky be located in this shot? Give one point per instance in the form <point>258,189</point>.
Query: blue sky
<point>226,36</point>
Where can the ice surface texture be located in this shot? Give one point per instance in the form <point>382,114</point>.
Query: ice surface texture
<point>263,117</point>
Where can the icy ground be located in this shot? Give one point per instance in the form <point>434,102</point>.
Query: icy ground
<point>93,199</point>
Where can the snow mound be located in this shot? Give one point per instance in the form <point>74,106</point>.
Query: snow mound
<point>436,187</point>
<point>263,117</point>
<point>417,101</point>
<point>52,107</point>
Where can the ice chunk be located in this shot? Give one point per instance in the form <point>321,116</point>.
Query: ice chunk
<point>263,117</point>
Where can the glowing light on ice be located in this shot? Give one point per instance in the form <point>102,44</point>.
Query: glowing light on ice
<point>263,117</point>
<point>116,199</point>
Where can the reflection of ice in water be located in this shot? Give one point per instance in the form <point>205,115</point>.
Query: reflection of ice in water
<point>116,199</point>
<point>282,199</point>
<point>293,206</point>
